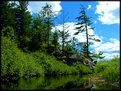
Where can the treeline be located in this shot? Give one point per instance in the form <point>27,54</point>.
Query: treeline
<point>34,33</point>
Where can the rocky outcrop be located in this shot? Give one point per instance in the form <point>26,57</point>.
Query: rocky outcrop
<point>82,59</point>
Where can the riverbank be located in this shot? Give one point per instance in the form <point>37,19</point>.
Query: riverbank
<point>109,69</point>
<point>18,63</point>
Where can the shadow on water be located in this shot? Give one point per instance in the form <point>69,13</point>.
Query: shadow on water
<point>70,82</point>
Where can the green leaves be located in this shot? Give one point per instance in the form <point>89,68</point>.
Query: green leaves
<point>8,32</point>
<point>76,33</point>
<point>14,61</point>
<point>84,25</point>
<point>98,40</point>
<point>80,27</point>
<point>109,69</point>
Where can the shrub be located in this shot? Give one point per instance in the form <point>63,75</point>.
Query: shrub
<point>14,61</point>
<point>109,69</point>
<point>82,68</point>
<point>8,32</point>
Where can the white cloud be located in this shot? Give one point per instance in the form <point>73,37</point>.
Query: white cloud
<point>36,6</point>
<point>110,48</point>
<point>108,12</point>
<point>81,36</point>
<point>89,6</point>
<point>110,55</point>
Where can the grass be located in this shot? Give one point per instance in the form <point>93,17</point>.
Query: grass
<point>16,62</point>
<point>109,69</point>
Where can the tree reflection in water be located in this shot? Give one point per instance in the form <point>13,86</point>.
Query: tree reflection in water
<point>70,82</point>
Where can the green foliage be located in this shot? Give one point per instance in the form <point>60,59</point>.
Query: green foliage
<point>33,37</point>
<point>37,34</point>
<point>52,66</point>
<point>23,20</point>
<point>15,62</point>
<point>8,32</point>
<point>7,14</point>
<point>82,68</point>
<point>84,21</point>
<point>64,32</point>
<point>109,69</point>
<point>55,39</point>
<point>47,15</point>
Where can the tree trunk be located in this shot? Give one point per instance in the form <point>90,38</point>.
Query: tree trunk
<point>87,41</point>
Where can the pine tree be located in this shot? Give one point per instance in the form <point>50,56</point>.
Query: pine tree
<point>55,38</point>
<point>64,33</point>
<point>83,26</point>
<point>7,14</point>
<point>38,34</point>
<point>23,20</point>
<point>47,16</point>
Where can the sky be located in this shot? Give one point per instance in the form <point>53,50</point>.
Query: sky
<point>105,17</point>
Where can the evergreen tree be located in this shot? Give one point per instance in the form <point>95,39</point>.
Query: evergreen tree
<point>38,37</point>
<point>64,33</point>
<point>83,26</point>
<point>47,16</point>
<point>7,14</point>
<point>55,39</point>
<point>23,20</point>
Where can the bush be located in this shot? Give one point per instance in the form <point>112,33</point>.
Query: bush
<point>51,65</point>
<point>82,68</point>
<point>8,32</point>
<point>17,62</point>
<point>14,61</point>
<point>109,69</point>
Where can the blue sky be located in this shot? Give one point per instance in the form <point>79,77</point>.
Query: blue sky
<point>105,17</point>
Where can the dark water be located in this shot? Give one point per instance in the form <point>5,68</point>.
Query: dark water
<point>71,82</point>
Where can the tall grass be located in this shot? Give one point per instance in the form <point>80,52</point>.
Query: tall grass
<point>109,69</point>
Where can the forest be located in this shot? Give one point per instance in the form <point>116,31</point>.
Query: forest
<point>29,47</point>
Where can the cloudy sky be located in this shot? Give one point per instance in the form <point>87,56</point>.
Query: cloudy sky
<point>105,17</point>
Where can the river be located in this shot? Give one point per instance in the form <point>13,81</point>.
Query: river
<point>70,82</point>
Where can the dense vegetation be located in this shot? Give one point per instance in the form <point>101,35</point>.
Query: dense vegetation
<point>109,69</point>
<point>16,62</point>
<point>30,48</point>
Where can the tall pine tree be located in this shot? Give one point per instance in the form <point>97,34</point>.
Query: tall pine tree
<point>64,32</point>
<point>83,26</point>
<point>7,14</point>
<point>47,15</point>
<point>23,20</point>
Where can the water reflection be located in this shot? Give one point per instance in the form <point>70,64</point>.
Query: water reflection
<point>71,82</point>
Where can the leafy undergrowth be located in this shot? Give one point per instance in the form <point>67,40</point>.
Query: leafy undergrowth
<point>109,69</point>
<point>16,62</point>
<point>54,67</point>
